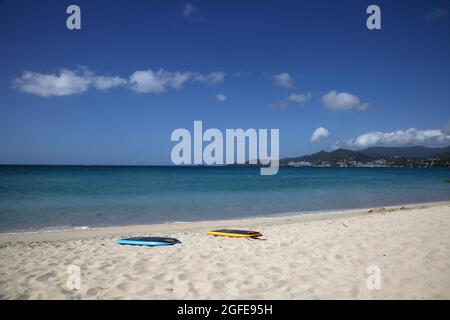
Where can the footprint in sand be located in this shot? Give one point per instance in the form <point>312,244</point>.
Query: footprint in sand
<point>124,286</point>
<point>45,277</point>
<point>92,292</point>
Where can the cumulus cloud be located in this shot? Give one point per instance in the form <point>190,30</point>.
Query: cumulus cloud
<point>149,81</point>
<point>209,78</point>
<point>179,78</point>
<point>69,82</point>
<point>192,13</point>
<point>283,79</point>
<point>295,98</point>
<point>64,83</point>
<point>319,134</point>
<point>221,97</point>
<point>436,14</point>
<point>400,138</point>
<point>156,82</point>
<point>105,82</point>
<point>45,85</point>
<point>342,101</point>
<point>299,98</point>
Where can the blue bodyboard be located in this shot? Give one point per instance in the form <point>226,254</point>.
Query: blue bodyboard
<point>149,241</point>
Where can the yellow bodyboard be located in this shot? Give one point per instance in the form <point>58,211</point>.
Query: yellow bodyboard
<point>235,233</point>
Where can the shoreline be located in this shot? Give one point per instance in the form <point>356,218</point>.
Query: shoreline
<point>169,227</point>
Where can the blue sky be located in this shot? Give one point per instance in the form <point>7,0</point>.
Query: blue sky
<point>112,92</point>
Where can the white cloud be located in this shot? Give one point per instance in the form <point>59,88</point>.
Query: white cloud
<point>400,138</point>
<point>295,98</point>
<point>149,81</point>
<point>342,101</point>
<point>105,82</point>
<point>319,134</point>
<point>45,85</point>
<point>192,13</point>
<point>436,14</point>
<point>68,82</point>
<point>209,78</point>
<point>179,78</point>
<point>283,79</point>
<point>221,97</point>
<point>299,98</point>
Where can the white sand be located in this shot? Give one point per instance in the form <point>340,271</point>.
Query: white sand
<point>302,257</point>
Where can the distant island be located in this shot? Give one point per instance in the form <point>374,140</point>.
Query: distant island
<point>375,157</point>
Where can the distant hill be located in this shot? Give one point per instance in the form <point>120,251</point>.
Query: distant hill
<point>376,156</point>
<point>329,156</point>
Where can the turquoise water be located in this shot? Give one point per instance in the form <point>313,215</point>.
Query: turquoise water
<point>61,197</point>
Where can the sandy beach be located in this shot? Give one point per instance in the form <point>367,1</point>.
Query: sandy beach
<point>312,256</point>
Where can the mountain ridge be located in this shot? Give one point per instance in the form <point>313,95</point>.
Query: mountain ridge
<point>375,156</point>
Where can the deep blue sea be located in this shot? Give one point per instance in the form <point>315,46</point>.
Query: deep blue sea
<point>63,197</point>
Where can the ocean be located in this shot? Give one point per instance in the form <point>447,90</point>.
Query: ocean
<point>44,198</point>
